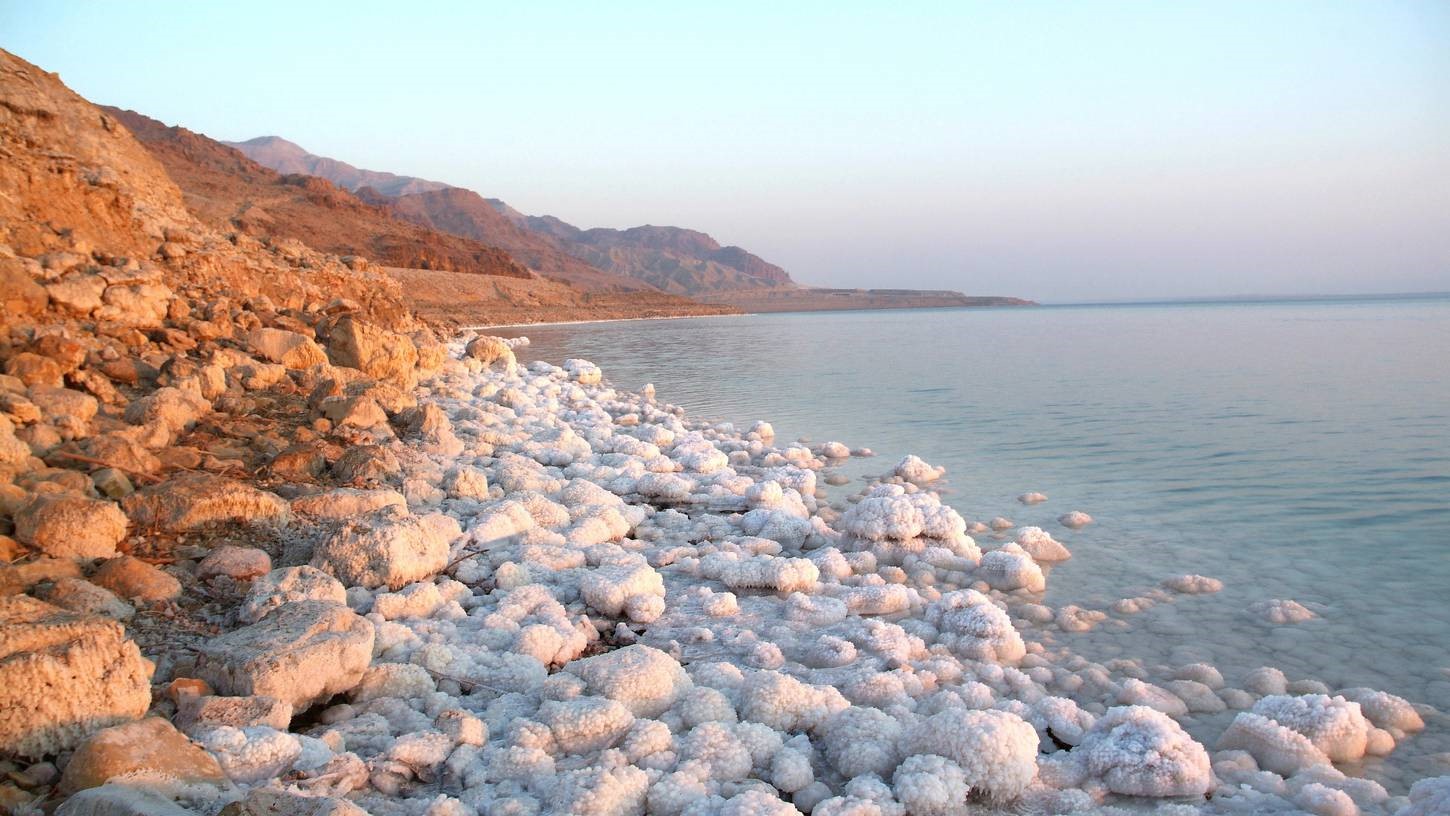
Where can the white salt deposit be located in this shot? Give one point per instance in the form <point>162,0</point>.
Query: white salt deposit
<point>592,603</point>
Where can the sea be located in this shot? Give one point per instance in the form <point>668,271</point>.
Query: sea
<point>1295,450</point>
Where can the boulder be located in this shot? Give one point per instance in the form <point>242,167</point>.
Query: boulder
<point>376,352</point>
<point>135,304</point>
<point>347,502</point>
<point>270,802</point>
<point>199,500</point>
<point>302,653</point>
<point>79,294</point>
<point>55,402</point>
<point>288,348</point>
<point>33,369</point>
<point>488,350</point>
<point>120,800</point>
<point>131,577</point>
<point>237,563</point>
<point>170,407</point>
<point>91,674</point>
<point>79,595</point>
<point>282,586</point>
<point>19,293</point>
<point>150,745</point>
<point>199,712</point>
<point>384,548</point>
<point>71,526</point>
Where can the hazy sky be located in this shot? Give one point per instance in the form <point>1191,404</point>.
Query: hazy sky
<point>1059,151</point>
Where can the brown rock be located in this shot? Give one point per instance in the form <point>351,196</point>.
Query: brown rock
<point>18,578</point>
<point>152,744</point>
<point>80,294</point>
<point>19,293</point>
<point>210,711</point>
<point>69,526</point>
<point>199,500</point>
<point>92,674</point>
<point>379,353</point>
<point>237,563</point>
<point>33,369</point>
<point>131,577</point>
<point>287,348</point>
<point>488,350</point>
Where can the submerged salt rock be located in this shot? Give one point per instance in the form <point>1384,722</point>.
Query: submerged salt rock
<point>1193,584</point>
<point>1009,568</point>
<point>302,652</point>
<point>1032,498</point>
<point>996,750</point>
<point>71,526</point>
<point>915,470</point>
<point>1039,544</point>
<point>384,548</point>
<point>1428,797</point>
<point>646,680</point>
<point>1075,520</point>
<point>152,745</point>
<point>1280,612</point>
<point>199,500</point>
<point>92,674</point>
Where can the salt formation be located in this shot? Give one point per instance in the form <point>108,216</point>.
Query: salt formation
<point>554,596</point>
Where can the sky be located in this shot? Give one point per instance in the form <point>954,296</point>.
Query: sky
<point>1061,151</point>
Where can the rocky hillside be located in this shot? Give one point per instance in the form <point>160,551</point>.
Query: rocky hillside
<point>230,191</point>
<point>669,259</point>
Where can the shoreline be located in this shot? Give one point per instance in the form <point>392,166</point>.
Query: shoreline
<point>599,320</point>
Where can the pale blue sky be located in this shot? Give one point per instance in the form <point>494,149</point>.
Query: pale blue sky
<point>1060,151</point>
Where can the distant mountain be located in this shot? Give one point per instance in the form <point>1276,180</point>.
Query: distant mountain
<point>670,259</point>
<point>286,157</point>
<point>228,190</point>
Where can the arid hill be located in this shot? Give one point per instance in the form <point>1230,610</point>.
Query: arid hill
<point>669,259</point>
<point>228,190</point>
<point>457,211</point>
<point>286,157</point>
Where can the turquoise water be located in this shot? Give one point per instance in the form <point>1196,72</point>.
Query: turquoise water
<point>1296,450</point>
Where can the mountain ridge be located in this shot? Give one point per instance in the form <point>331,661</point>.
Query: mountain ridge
<point>671,259</point>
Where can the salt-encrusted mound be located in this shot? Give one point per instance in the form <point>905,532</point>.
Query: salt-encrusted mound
<point>914,469</point>
<point>64,676</point>
<point>972,626</point>
<point>1428,797</point>
<point>996,751</point>
<point>1137,751</point>
<point>1010,567</point>
<point>1040,544</point>
<point>647,681</point>
<point>930,785</point>
<point>302,652</point>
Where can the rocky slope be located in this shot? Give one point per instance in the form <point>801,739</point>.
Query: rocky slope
<point>230,191</point>
<point>669,259</point>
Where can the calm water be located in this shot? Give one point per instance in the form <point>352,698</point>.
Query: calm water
<point>1293,450</point>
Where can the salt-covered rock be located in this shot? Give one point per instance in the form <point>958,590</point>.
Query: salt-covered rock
<point>385,548</point>
<point>302,652</point>
<point>1075,520</point>
<point>1137,751</point>
<point>1010,567</point>
<point>647,681</point>
<point>996,751</point>
<point>195,713</point>
<point>237,563</point>
<point>94,676</point>
<point>1039,544</point>
<point>281,586</point>
<point>913,469</point>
